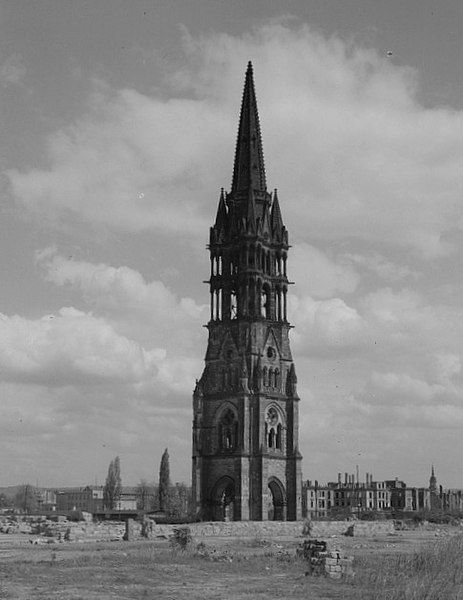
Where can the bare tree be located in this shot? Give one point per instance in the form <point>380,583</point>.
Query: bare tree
<point>26,498</point>
<point>144,495</point>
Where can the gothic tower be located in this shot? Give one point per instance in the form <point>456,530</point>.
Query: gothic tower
<point>246,462</point>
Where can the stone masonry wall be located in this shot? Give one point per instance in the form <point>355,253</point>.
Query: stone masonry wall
<point>113,530</point>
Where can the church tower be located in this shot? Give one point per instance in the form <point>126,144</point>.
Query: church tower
<point>246,462</point>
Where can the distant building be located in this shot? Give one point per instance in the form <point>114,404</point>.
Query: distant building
<point>343,498</point>
<point>406,498</point>
<point>46,500</point>
<point>90,499</point>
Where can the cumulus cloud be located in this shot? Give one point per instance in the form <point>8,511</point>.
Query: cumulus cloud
<point>12,70</point>
<point>325,325</point>
<point>381,267</point>
<point>318,275</point>
<point>369,185</point>
<point>148,310</point>
<point>71,347</point>
<point>353,152</point>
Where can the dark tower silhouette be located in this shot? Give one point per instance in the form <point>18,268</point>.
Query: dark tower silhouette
<point>246,463</point>
<point>432,481</point>
<point>433,491</point>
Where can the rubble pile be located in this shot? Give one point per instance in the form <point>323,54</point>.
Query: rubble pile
<point>322,561</point>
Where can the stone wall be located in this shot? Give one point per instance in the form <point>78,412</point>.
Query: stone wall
<point>113,530</point>
<point>355,528</point>
<point>282,528</point>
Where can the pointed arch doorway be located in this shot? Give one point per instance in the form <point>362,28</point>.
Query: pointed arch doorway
<point>223,499</point>
<point>277,500</point>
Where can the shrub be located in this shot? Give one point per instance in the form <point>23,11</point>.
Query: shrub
<point>181,539</point>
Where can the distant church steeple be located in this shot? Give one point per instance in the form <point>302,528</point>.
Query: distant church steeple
<point>246,462</point>
<point>433,480</point>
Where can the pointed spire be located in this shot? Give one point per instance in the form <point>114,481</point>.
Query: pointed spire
<point>221,218</point>
<point>275,218</point>
<point>249,170</point>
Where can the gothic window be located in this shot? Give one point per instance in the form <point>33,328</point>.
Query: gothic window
<point>219,305</point>
<point>233,305</point>
<point>278,437</point>
<point>230,378</point>
<point>271,438</point>
<point>265,378</point>
<point>273,429</point>
<point>251,256</point>
<point>270,378</point>
<point>265,302</point>
<point>277,379</point>
<point>227,431</point>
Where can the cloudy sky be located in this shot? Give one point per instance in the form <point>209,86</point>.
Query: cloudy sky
<point>118,122</point>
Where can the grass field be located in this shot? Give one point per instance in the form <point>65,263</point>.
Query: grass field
<point>406,567</point>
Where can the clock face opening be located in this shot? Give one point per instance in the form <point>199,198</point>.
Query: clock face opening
<point>271,352</point>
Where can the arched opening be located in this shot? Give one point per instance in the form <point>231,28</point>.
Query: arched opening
<point>271,438</point>
<point>277,500</point>
<point>265,301</point>
<point>233,305</point>
<point>278,437</point>
<point>222,499</point>
<point>227,427</point>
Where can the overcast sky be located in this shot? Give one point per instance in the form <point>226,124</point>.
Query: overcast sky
<point>118,124</point>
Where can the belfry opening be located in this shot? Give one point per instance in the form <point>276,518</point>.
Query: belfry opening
<point>246,461</point>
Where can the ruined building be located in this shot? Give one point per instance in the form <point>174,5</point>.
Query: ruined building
<point>246,462</point>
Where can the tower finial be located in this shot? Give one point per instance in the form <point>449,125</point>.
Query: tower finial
<point>249,169</point>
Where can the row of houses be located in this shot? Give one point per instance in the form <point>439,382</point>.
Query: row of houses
<point>349,496</point>
<point>85,499</point>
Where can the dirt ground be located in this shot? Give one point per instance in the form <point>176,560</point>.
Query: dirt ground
<point>225,569</point>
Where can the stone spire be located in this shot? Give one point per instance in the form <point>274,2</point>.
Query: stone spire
<point>249,170</point>
<point>221,218</point>
<point>432,480</point>
<point>276,220</point>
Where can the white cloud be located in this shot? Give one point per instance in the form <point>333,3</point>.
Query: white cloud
<point>382,267</point>
<point>319,276</point>
<point>149,311</point>
<point>71,347</point>
<point>370,187</point>
<point>353,152</point>
<point>325,325</point>
<point>12,70</point>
